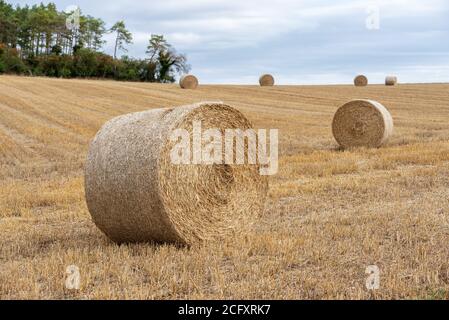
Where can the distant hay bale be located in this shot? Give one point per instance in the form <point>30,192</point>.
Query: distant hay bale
<point>188,81</point>
<point>362,123</point>
<point>361,81</point>
<point>391,81</point>
<point>266,80</point>
<point>136,194</point>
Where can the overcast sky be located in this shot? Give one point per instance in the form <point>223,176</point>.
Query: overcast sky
<point>299,41</point>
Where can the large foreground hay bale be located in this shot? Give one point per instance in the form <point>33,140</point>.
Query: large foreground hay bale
<point>362,123</point>
<point>266,80</point>
<point>391,81</point>
<point>135,193</point>
<point>361,81</point>
<point>188,81</point>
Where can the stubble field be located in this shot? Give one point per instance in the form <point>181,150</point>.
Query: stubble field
<point>330,213</point>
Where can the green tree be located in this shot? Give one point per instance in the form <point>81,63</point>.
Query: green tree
<point>24,31</point>
<point>92,31</point>
<point>157,44</point>
<point>169,63</point>
<point>123,36</point>
<point>36,40</point>
<point>85,63</point>
<point>8,24</point>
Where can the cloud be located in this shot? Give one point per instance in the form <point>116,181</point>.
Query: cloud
<point>308,41</point>
<point>186,39</point>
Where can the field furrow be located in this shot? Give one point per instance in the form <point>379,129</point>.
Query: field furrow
<point>330,213</point>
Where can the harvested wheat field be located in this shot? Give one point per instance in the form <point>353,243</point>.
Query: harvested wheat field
<point>330,213</point>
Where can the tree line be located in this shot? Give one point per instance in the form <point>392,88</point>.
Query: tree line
<point>40,40</point>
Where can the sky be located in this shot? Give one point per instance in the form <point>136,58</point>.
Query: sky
<point>298,41</point>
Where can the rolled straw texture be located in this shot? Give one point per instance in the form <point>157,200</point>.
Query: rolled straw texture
<point>391,81</point>
<point>362,123</point>
<point>361,81</point>
<point>188,81</point>
<point>266,80</point>
<point>135,194</point>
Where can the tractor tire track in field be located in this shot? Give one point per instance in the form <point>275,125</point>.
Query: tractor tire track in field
<point>28,143</point>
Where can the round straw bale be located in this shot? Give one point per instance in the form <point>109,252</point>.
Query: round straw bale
<point>362,123</point>
<point>266,80</point>
<point>135,193</point>
<point>188,81</point>
<point>361,81</point>
<point>391,81</point>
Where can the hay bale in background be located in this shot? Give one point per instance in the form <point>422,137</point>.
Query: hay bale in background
<point>266,80</point>
<point>362,123</point>
<point>134,192</point>
<point>188,81</point>
<point>391,81</point>
<point>361,81</point>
